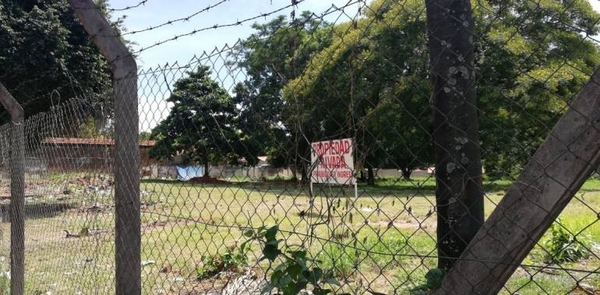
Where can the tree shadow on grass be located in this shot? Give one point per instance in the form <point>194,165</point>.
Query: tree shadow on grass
<point>37,210</point>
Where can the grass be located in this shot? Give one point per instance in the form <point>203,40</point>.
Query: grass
<point>384,240</point>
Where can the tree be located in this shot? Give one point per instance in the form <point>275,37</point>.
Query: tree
<point>372,83</point>
<point>527,69</point>
<point>529,66</point>
<point>459,191</point>
<point>200,128</point>
<point>47,57</point>
<point>277,52</point>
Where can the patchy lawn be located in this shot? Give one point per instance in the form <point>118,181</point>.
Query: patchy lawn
<point>383,240</point>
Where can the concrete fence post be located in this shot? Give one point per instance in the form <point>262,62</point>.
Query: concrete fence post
<point>127,159</point>
<point>17,192</point>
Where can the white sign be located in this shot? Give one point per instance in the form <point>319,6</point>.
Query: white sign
<point>332,162</point>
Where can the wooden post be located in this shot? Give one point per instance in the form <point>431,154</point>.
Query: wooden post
<point>556,172</point>
<point>17,192</point>
<point>127,160</point>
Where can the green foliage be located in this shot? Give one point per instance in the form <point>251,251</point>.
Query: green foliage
<point>233,258</point>
<point>91,128</point>
<point>296,270</point>
<point>47,57</point>
<point>563,246</point>
<point>201,125</point>
<point>4,283</point>
<point>372,81</point>
<point>145,135</point>
<point>340,260</point>
<point>277,52</point>
<point>433,280</point>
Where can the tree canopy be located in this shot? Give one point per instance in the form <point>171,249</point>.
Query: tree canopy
<point>47,57</point>
<point>277,52</point>
<point>200,128</point>
<point>308,80</point>
<point>372,81</point>
<point>370,84</point>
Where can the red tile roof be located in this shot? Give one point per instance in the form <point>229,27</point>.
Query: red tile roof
<point>91,141</point>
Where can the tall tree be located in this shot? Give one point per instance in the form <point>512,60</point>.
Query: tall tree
<point>372,83</point>
<point>277,52</point>
<point>527,69</point>
<point>47,57</point>
<point>531,59</point>
<point>200,128</point>
<point>459,191</point>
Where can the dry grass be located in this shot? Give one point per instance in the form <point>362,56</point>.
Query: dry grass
<point>383,240</point>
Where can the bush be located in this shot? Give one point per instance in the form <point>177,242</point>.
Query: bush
<point>562,246</point>
<point>233,258</point>
<point>296,271</point>
<point>433,280</point>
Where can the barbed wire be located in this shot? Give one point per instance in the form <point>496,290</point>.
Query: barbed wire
<point>332,9</point>
<point>141,3</point>
<point>412,251</point>
<point>174,21</point>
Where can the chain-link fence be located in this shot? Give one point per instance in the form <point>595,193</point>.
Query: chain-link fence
<point>68,202</point>
<point>358,150</point>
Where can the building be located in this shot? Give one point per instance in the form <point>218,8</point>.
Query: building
<point>81,154</point>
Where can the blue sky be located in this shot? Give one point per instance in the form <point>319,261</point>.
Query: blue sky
<point>153,90</point>
<point>155,12</point>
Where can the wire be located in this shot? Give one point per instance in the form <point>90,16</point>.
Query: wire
<point>141,3</point>
<point>329,11</point>
<point>171,22</point>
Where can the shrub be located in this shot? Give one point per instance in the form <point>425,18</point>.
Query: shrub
<point>562,245</point>
<point>233,258</point>
<point>433,280</point>
<point>296,271</point>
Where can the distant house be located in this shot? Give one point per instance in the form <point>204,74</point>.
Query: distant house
<point>263,161</point>
<point>70,154</point>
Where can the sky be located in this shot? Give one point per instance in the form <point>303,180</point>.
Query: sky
<point>154,90</point>
<point>155,12</point>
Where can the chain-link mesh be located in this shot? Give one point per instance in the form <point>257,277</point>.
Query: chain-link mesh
<point>257,106</point>
<point>68,202</point>
<point>328,125</point>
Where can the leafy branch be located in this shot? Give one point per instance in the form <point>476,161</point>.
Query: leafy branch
<point>296,270</point>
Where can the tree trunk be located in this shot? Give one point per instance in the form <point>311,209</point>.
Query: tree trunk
<point>406,172</point>
<point>361,176</point>
<point>370,175</point>
<point>304,173</point>
<point>294,172</point>
<point>459,194</point>
<point>206,172</point>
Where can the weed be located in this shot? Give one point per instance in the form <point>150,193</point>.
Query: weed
<point>296,270</point>
<point>339,259</point>
<point>433,280</point>
<point>562,245</point>
<point>4,283</point>
<point>233,258</point>
<point>388,249</point>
